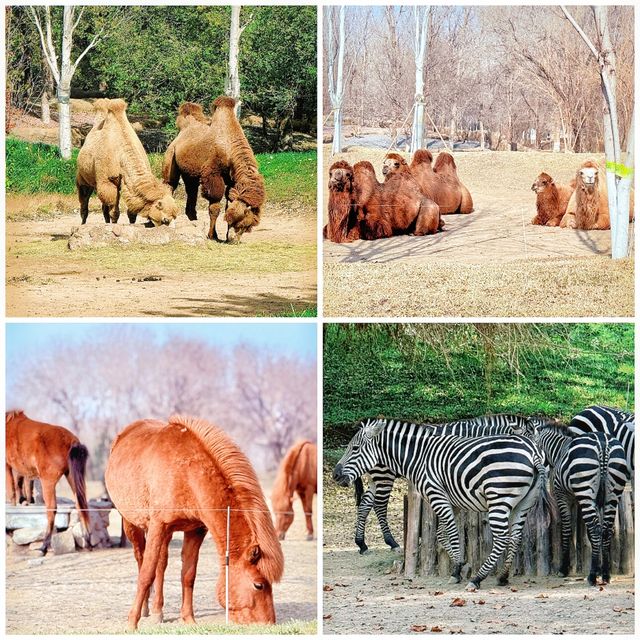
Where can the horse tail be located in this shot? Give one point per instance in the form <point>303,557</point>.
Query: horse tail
<point>78,455</point>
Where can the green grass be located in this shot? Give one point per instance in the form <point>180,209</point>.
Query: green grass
<point>264,257</point>
<point>37,168</point>
<point>291,628</point>
<point>308,312</point>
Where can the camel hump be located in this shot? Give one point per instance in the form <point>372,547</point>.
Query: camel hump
<point>223,102</point>
<point>117,106</point>
<point>422,156</point>
<point>443,161</point>
<point>191,109</point>
<point>101,104</point>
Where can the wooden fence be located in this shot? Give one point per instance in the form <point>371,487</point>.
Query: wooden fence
<point>539,554</point>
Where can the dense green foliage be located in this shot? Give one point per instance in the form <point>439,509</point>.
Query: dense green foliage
<point>444,372</point>
<point>158,57</point>
<point>35,168</point>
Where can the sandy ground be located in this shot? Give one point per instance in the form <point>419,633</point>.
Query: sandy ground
<point>490,262</point>
<point>67,287</point>
<point>91,592</point>
<point>363,594</point>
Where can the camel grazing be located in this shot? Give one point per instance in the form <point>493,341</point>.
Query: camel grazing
<point>551,200</point>
<point>113,162</point>
<point>440,183</point>
<point>217,157</point>
<point>360,207</point>
<point>588,207</point>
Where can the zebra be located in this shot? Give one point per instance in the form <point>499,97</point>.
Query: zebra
<point>614,422</point>
<point>501,474</point>
<point>592,469</point>
<point>382,479</point>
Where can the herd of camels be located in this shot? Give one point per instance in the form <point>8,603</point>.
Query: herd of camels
<point>413,197</point>
<point>210,153</point>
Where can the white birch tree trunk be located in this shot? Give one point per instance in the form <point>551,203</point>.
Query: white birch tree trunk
<point>335,73</point>
<point>233,75</point>
<point>421,16</point>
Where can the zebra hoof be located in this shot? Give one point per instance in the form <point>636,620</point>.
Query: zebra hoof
<point>365,552</point>
<point>472,586</point>
<point>397,550</point>
<point>454,580</point>
<point>502,582</point>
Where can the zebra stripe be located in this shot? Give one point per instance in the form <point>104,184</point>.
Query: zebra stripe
<point>614,422</point>
<point>500,474</point>
<point>382,479</point>
<point>591,469</point>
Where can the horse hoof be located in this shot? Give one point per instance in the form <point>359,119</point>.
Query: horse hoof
<point>472,586</point>
<point>156,618</point>
<point>310,537</point>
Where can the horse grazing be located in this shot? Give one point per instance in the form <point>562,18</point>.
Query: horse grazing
<point>181,476</point>
<point>45,451</point>
<point>297,474</point>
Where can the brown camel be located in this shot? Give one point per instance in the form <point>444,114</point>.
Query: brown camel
<point>551,200</point>
<point>217,157</point>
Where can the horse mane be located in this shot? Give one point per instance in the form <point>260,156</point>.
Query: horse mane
<point>142,187</point>
<point>283,487</point>
<point>242,479</point>
<point>14,413</point>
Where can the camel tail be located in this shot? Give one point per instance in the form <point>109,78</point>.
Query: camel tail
<point>170,170</point>
<point>78,455</point>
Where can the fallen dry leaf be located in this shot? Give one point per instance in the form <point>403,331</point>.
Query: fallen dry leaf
<point>458,602</point>
<point>398,598</point>
<point>327,588</point>
<point>326,616</point>
<point>418,628</point>
<point>479,602</point>
<point>513,589</point>
<point>542,595</point>
<point>499,606</point>
<point>436,629</point>
<point>438,593</point>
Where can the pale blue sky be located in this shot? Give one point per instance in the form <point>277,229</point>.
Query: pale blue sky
<point>287,338</point>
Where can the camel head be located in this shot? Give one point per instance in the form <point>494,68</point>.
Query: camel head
<point>340,176</point>
<point>543,181</point>
<point>240,216</point>
<point>393,163</point>
<point>161,210</point>
<point>587,175</point>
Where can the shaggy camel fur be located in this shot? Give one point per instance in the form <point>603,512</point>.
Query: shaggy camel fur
<point>113,162</point>
<point>551,200</point>
<point>588,207</point>
<point>218,157</point>
<point>440,183</point>
<point>362,208</point>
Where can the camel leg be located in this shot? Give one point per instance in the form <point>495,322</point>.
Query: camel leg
<point>84,193</point>
<point>49,495</point>
<point>153,549</point>
<point>11,492</point>
<point>214,212</point>
<point>136,536</point>
<point>568,221</point>
<point>191,187</point>
<point>306,496</point>
<point>190,550</point>
<point>603,221</point>
<point>109,195</point>
<point>132,217</point>
<point>428,219</point>
<point>158,585</point>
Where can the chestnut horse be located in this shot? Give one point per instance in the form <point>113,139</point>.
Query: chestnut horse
<point>297,473</point>
<point>182,476</point>
<point>45,451</point>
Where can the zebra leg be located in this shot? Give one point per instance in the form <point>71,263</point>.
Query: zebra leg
<point>563,500</point>
<point>381,501</point>
<point>499,525</point>
<point>447,533</point>
<point>514,545</point>
<point>594,533</point>
<point>609,516</point>
<point>363,512</point>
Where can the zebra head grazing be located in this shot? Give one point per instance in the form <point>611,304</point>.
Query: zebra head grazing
<point>361,454</point>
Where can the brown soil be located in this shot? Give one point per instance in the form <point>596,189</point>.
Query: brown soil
<point>91,592</point>
<point>492,262</point>
<point>363,594</point>
<point>50,281</point>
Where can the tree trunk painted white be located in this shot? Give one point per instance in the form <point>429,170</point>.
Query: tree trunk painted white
<point>62,71</point>
<point>45,111</point>
<point>616,172</point>
<point>481,135</point>
<point>233,75</point>
<point>421,16</point>
<point>335,75</point>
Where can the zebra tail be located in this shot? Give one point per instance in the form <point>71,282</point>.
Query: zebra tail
<point>546,509</point>
<point>604,490</point>
<point>358,487</point>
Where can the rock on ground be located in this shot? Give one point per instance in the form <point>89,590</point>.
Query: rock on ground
<point>27,535</point>
<point>105,235</point>
<point>62,543</point>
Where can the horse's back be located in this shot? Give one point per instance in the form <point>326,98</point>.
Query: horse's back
<point>306,469</point>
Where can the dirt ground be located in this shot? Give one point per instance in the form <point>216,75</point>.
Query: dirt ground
<point>273,271</point>
<point>91,592</point>
<point>363,594</point>
<point>492,262</point>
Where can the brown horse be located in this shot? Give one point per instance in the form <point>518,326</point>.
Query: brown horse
<point>45,451</point>
<point>297,473</point>
<point>182,476</point>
